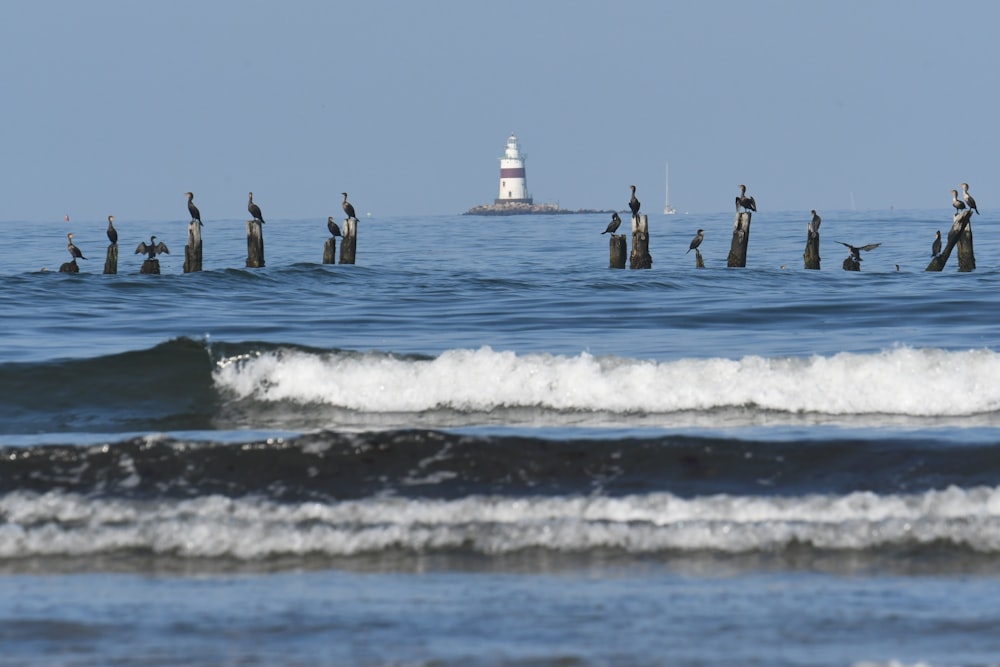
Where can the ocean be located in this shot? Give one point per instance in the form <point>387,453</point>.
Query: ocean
<point>481,446</point>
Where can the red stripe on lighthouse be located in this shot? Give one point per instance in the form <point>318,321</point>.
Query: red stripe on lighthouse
<point>517,172</point>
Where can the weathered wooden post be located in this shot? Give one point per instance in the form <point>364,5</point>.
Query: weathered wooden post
<point>851,263</point>
<point>330,251</point>
<point>811,254</point>
<point>640,257</point>
<point>255,244</point>
<point>111,259</point>
<point>69,267</point>
<point>699,263</point>
<point>618,250</point>
<point>961,235</point>
<point>192,251</point>
<point>150,266</point>
<point>349,244</point>
<point>741,238</point>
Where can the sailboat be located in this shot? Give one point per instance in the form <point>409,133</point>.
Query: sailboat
<point>668,209</point>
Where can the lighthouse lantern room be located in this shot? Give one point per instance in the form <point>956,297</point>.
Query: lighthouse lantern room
<point>513,182</point>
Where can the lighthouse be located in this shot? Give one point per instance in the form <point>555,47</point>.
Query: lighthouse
<point>513,182</point>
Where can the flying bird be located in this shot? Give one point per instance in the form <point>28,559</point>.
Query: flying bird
<point>696,241</point>
<point>633,203</point>
<point>969,201</point>
<point>152,248</point>
<point>73,250</point>
<point>613,226</point>
<point>112,232</point>
<point>744,202</point>
<point>332,226</point>
<point>254,209</point>
<point>192,209</point>
<point>856,250</point>
<point>936,246</point>
<point>812,228</point>
<point>956,202</point>
<point>348,207</point>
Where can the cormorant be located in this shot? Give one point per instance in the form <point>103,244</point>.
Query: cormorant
<point>856,250</point>
<point>348,207</point>
<point>747,203</point>
<point>696,241</point>
<point>152,248</point>
<point>254,209</point>
<point>73,250</point>
<point>969,201</point>
<point>112,232</point>
<point>332,226</point>
<point>936,246</point>
<point>192,209</point>
<point>633,203</point>
<point>613,225</point>
<point>956,202</point>
<point>813,227</point>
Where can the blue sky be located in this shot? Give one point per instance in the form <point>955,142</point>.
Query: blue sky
<point>120,106</point>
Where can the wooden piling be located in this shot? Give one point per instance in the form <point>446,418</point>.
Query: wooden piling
<point>192,251</point>
<point>150,266</point>
<point>741,238</point>
<point>618,250</point>
<point>960,234</point>
<point>255,244</point>
<point>640,257</point>
<point>851,264</point>
<point>811,254</point>
<point>111,259</point>
<point>699,263</point>
<point>349,243</point>
<point>69,267</point>
<point>330,251</point>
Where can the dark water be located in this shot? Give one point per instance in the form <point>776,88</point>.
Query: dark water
<point>479,445</point>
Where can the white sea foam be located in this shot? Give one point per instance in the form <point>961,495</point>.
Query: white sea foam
<point>57,523</point>
<point>902,381</point>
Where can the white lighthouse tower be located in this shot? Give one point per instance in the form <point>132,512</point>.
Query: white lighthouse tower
<point>513,182</point>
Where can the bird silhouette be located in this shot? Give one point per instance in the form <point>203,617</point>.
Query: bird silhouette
<point>348,207</point>
<point>613,226</point>
<point>192,209</point>
<point>956,202</point>
<point>856,250</point>
<point>936,246</point>
<point>112,232</point>
<point>152,248</point>
<point>73,250</point>
<point>254,209</point>
<point>812,228</point>
<point>332,226</point>
<point>744,202</point>
<point>696,241</point>
<point>633,203</point>
<point>969,201</point>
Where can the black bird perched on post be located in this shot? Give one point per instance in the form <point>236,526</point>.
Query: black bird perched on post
<point>192,209</point>
<point>152,248</point>
<point>856,250</point>
<point>254,209</point>
<point>812,228</point>
<point>696,241</point>
<point>936,246</point>
<point>956,202</point>
<point>747,203</point>
<point>348,207</point>
<point>73,250</point>
<point>112,232</point>
<point>969,201</point>
<point>613,226</point>
<point>633,203</point>
<point>332,226</point>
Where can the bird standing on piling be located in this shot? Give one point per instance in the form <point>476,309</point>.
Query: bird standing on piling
<point>613,226</point>
<point>73,250</point>
<point>152,248</point>
<point>348,207</point>
<point>192,209</point>
<point>254,210</point>
<point>956,202</point>
<point>112,232</point>
<point>633,204</point>
<point>812,229</point>
<point>856,250</point>
<point>747,203</point>
<point>936,246</point>
<point>696,241</point>
<point>332,226</point>
<point>969,201</point>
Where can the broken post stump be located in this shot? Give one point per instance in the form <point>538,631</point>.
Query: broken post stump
<point>111,259</point>
<point>851,264</point>
<point>150,266</point>
<point>255,244</point>
<point>741,238</point>
<point>330,251</point>
<point>640,257</point>
<point>192,251</point>
<point>69,267</point>
<point>959,226</point>
<point>618,250</point>
<point>811,254</point>
<point>349,243</point>
<point>699,263</point>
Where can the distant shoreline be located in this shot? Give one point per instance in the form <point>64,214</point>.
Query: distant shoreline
<point>527,209</point>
